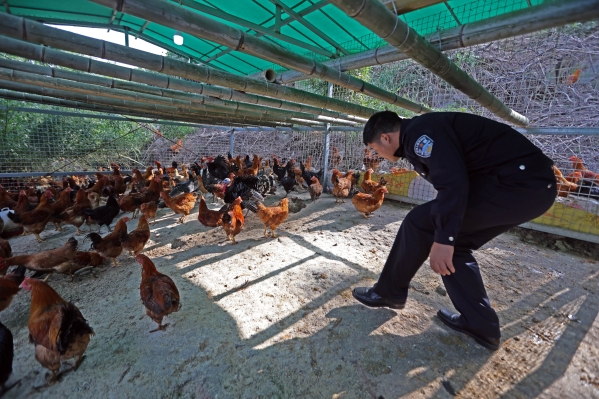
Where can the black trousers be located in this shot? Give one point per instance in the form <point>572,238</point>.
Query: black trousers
<point>496,203</point>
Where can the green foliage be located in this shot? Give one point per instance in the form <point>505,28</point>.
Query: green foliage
<point>46,142</point>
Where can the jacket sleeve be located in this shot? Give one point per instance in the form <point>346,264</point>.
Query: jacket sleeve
<point>448,174</point>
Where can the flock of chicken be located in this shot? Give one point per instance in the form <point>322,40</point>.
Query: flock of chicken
<point>581,181</point>
<point>57,328</point>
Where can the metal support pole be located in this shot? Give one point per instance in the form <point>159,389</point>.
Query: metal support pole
<point>327,139</point>
<point>232,141</point>
<point>126,36</point>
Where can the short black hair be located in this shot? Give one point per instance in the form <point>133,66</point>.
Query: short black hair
<point>379,123</point>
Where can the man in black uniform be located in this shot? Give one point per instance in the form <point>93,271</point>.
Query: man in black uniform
<point>489,178</point>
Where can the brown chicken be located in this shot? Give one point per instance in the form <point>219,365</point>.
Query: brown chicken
<point>23,204</point>
<point>585,173</point>
<point>298,178</point>
<point>35,221</point>
<point>6,201</point>
<point>315,188</point>
<point>565,185</point>
<point>308,164</point>
<point>159,293</point>
<point>135,241</point>
<point>58,207</point>
<point>5,249</point>
<point>177,147</point>
<point>366,204</point>
<point>43,261</point>
<point>371,161</point>
<point>56,328</point>
<point>119,182</point>
<point>75,215</point>
<point>182,204</point>
<point>335,158</point>
<point>149,210</point>
<point>132,202</point>
<point>252,170</point>
<point>9,286</point>
<point>81,261</point>
<point>341,185</point>
<point>369,186</point>
<point>110,245</point>
<point>233,220</point>
<point>207,217</point>
<point>273,216</point>
<point>100,184</point>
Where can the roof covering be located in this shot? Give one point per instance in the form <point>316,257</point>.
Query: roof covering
<point>309,27</point>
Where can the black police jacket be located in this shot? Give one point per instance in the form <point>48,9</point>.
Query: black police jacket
<point>447,148</point>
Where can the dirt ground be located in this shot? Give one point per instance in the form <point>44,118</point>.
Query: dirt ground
<point>274,318</point>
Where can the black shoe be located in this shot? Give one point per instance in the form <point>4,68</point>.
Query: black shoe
<point>454,321</point>
<point>368,297</point>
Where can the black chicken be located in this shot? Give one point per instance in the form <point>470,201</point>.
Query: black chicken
<point>278,170</point>
<point>288,184</point>
<point>247,188</point>
<point>307,175</point>
<point>218,168</point>
<point>104,215</point>
<point>290,168</point>
<point>6,357</point>
<point>184,188</point>
<point>248,161</point>
<point>587,189</point>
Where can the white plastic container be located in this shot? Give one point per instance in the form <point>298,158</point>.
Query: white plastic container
<point>8,224</point>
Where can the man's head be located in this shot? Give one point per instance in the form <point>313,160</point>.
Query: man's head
<point>381,133</point>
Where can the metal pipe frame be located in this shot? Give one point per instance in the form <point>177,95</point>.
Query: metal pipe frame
<point>120,89</point>
<point>379,19</point>
<point>199,26</point>
<point>38,33</point>
<point>547,15</point>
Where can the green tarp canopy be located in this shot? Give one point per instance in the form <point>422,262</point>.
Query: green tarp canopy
<point>342,35</point>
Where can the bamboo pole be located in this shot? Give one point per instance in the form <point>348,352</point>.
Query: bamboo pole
<point>223,106</point>
<point>38,33</point>
<point>73,61</point>
<point>183,114</point>
<point>34,98</point>
<point>85,88</point>
<point>193,23</point>
<point>544,16</point>
<point>379,19</point>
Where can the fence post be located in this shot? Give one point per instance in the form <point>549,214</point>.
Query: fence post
<point>327,133</point>
<point>232,141</point>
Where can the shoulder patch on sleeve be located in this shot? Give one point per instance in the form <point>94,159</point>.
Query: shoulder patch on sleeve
<point>424,146</point>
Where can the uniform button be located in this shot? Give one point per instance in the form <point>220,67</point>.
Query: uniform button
<point>549,186</point>
<point>450,238</point>
<point>522,167</point>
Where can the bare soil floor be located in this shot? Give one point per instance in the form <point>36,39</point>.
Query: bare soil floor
<point>274,318</point>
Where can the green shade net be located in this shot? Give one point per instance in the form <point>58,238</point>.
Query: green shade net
<point>340,28</point>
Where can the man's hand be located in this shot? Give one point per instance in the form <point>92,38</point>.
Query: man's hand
<point>440,259</point>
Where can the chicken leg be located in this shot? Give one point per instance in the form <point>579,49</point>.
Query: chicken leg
<point>161,327</point>
<point>38,238</point>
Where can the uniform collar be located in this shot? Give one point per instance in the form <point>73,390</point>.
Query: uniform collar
<point>402,137</point>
